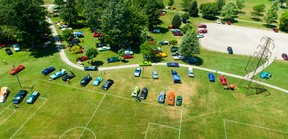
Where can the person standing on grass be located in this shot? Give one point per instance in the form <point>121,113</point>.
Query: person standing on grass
<point>4,61</point>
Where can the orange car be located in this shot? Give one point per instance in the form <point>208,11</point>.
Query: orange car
<point>16,69</point>
<point>171,98</point>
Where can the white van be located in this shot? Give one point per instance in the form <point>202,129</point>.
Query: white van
<point>190,72</point>
<point>4,94</point>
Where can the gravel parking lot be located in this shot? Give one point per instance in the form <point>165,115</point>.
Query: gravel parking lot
<point>243,40</point>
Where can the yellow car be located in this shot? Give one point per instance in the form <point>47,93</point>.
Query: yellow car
<point>161,54</point>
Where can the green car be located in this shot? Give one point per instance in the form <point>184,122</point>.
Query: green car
<point>179,101</point>
<point>145,63</point>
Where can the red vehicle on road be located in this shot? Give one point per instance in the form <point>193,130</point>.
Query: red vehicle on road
<point>202,31</point>
<point>223,80</point>
<point>16,69</point>
<point>202,26</point>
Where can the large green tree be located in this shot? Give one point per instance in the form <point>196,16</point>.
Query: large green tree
<point>91,13</point>
<point>147,49</point>
<point>283,25</point>
<point>185,5</point>
<point>171,2</point>
<point>209,10</point>
<point>271,14</point>
<point>68,12</point>
<point>229,11</point>
<point>258,10</point>
<point>193,9</point>
<point>220,4</point>
<point>190,44</point>
<point>240,4</point>
<point>176,21</point>
<point>152,9</point>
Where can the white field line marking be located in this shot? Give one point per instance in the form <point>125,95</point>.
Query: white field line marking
<point>131,99</point>
<point>180,126</point>
<point>29,117</point>
<point>147,130</point>
<point>8,116</point>
<point>225,128</point>
<point>76,128</point>
<point>256,126</point>
<point>92,116</point>
<point>5,108</point>
<point>159,125</point>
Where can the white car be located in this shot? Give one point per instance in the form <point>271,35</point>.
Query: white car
<point>190,72</point>
<point>16,47</point>
<point>178,57</point>
<point>137,72</point>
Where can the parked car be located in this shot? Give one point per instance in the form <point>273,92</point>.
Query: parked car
<point>156,30</point>
<point>190,72</point>
<point>174,49</point>
<point>127,56</point>
<point>155,74</point>
<point>83,58</point>
<point>2,45</point>
<point>100,44</point>
<point>284,56</point>
<point>202,31</point>
<point>179,100</point>
<point>58,74</point>
<point>4,94</point>
<point>33,97</point>
<point>175,31</point>
<point>145,63</point>
<point>113,59</point>
<point>48,70</point>
<point>178,57</point>
<point>97,34</point>
<point>175,53</point>
<point>171,98</point>
<point>178,34</point>
<point>202,26</point>
<point>16,69</point>
<point>137,72</point>
<point>78,33</point>
<point>8,51</point>
<point>19,96</point>
<point>211,77</point>
<point>85,80</point>
<point>107,84</point>
<point>164,43</point>
<point>223,80</point>
<point>170,27</point>
<point>265,75</point>
<point>97,81</point>
<point>200,35</point>
<point>68,76</point>
<point>90,68</point>
<point>172,64</point>
<point>144,93</point>
<point>16,47</point>
<point>230,50</point>
<point>218,21</point>
<point>161,97</point>
<point>135,92</point>
<point>104,48</point>
<point>161,54</point>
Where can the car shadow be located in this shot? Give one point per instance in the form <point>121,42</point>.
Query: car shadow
<point>97,63</point>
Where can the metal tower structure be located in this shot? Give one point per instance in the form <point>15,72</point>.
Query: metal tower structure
<point>257,62</point>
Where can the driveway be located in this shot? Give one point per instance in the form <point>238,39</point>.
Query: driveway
<point>243,40</point>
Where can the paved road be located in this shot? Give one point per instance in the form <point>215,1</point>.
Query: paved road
<point>68,62</point>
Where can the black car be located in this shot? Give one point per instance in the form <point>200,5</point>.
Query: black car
<point>100,44</point>
<point>172,64</point>
<point>8,51</point>
<point>68,76</point>
<point>113,59</point>
<point>174,49</point>
<point>86,80</point>
<point>90,68</point>
<point>230,50</point>
<point>107,84</point>
<point>19,96</point>
<point>144,93</point>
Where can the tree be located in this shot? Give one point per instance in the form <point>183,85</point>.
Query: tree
<point>185,5</point>
<point>229,11</point>
<point>68,12</point>
<point>58,2</point>
<point>209,10</point>
<point>185,18</point>
<point>283,25</point>
<point>176,22</point>
<point>171,2</point>
<point>67,35</point>
<point>152,9</point>
<point>258,10</point>
<point>147,49</point>
<point>271,14</point>
<point>91,13</point>
<point>190,44</point>
<point>240,4</point>
<point>186,28</point>
<point>193,10</point>
<point>91,53</point>
<point>220,4</point>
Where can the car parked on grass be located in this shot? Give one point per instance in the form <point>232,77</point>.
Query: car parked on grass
<point>211,77</point>
<point>8,51</point>
<point>127,56</point>
<point>164,43</point>
<point>145,63</point>
<point>284,56</point>
<point>265,75</point>
<point>58,74</point>
<point>170,27</point>
<point>104,48</point>
<point>161,54</point>
<point>175,31</point>
<point>67,77</point>
<point>144,93</point>
<point>175,53</point>
<point>113,59</point>
<point>48,70</point>
<point>19,96</point>
<point>82,58</point>
<point>137,72</point>
<point>174,49</point>
<point>179,100</point>
<point>33,97</point>
<point>190,72</point>
<point>78,33</point>
<point>161,97</point>
<point>155,74</point>
<point>171,98</point>
<point>16,69</point>
<point>85,80</point>
<point>178,57</point>
<point>135,92</point>
<point>107,84</point>
<point>172,64</point>
<point>16,47</point>
<point>223,80</point>
<point>90,68</point>
<point>4,94</point>
<point>229,50</point>
<point>97,81</point>
<point>178,34</point>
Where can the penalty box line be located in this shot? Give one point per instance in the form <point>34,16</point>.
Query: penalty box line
<point>147,129</point>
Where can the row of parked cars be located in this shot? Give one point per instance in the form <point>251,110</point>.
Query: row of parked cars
<point>96,82</point>
<point>19,96</point>
<point>171,98</point>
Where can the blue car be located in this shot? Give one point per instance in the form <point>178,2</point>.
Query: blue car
<point>85,80</point>
<point>48,70</point>
<point>211,77</point>
<point>90,68</point>
<point>155,74</point>
<point>161,97</point>
<point>172,64</point>
<point>97,81</point>
<point>137,72</point>
<point>265,75</point>
<point>58,74</point>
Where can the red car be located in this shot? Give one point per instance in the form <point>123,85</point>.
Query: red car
<point>202,31</point>
<point>2,45</point>
<point>170,27</point>
<point>178,34</point>
<point>127,56</point>
<point>16,69</point>
<point>82,58</point>
<point>285,56</point>
<point>96,34</point>
<point>223,80</point>
<point>276,29</point>
<point>202,26</point>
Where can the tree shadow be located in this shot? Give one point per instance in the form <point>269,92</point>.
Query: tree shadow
<point>269,26</point>
<point>241,12</point>
<point>256,19</point>
<point>195,60</point>
<point>97,63</point>
<point>44,51</point>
